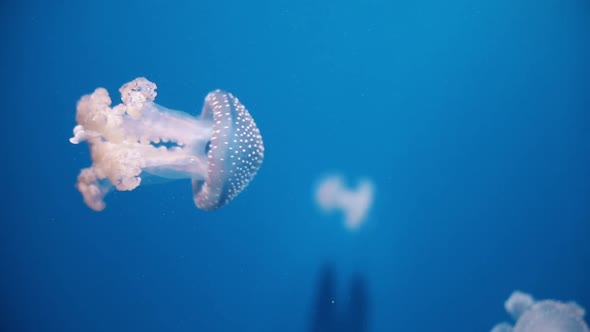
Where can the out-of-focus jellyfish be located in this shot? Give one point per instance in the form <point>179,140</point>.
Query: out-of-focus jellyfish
<point>221,150</point>
<point>332,194</point>
<point>542,316</point>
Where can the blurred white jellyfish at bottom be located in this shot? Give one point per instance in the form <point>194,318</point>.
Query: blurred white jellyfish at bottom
<point>220,150</point>
<point>332,194</point>
<point>542,315</point>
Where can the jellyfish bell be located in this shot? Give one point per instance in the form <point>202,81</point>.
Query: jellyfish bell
<point>221,150</point>
<point>235,151</point>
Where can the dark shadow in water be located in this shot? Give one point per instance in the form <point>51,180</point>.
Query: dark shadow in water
<point>329,314</point>
<point>356,317</point>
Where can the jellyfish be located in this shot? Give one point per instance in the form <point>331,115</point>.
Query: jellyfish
<point>221,150</point>
<point>542,316</point>
<point>332,194</point>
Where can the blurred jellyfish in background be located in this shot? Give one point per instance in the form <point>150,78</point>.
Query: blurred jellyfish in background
<point>332,194</point>
<point>220,151</point>
<point>542,316</point>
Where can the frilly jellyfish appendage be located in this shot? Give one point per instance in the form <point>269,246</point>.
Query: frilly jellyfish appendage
<point>332,194</point>
<point>221,150</point>
<point>542,316</point>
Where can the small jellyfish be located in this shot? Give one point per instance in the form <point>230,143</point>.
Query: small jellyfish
<point>332,194</point>
<point>542,316</point>
<point>221,150</point>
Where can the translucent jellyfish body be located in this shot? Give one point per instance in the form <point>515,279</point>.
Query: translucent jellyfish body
<point>542,316</point>
<point>221,150</point>
<point>332,194</point>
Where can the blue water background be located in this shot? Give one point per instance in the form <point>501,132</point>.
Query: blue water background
<point>471,117</point>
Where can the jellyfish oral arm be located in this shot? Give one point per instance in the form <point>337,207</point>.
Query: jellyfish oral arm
<point>179,138</point>
<point>160,124</point>
<point>138,135</point>
<point>161,140</point>
<point>175,163</point>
